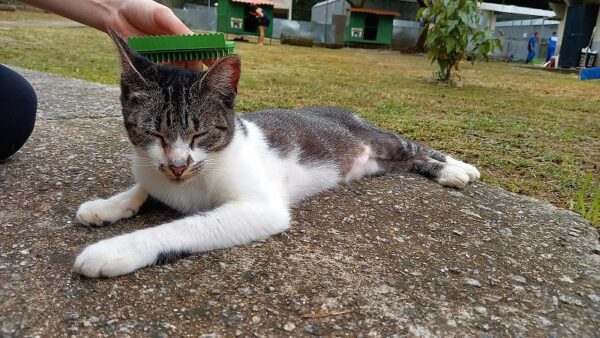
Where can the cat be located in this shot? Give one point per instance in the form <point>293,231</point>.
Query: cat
<point>235,176</point>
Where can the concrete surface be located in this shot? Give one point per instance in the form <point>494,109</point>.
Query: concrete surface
<point>386,256</point>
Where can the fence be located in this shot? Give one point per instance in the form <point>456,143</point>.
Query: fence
<point>515,37</point>
<point>405,34</point>
<point>198,17</point>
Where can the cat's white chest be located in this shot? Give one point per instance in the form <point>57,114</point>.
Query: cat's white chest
<point>186,197</point>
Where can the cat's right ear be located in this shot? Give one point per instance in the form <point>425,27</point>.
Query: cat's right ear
<point>136,68</point>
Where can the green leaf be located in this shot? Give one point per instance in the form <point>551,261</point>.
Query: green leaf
<point>450,46</point>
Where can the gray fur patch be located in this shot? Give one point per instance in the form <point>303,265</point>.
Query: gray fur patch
<point>335,136</point>
<point>167,257</point>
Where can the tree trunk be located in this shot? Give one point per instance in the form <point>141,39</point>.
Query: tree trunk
<point>420,46</point>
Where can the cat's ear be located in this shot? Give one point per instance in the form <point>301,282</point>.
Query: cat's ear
<point>223,77</point>
<point>136,68</point>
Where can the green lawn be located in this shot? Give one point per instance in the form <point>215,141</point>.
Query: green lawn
<point>528,130</point>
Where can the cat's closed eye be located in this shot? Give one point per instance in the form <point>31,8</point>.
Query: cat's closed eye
<point>198,136</point>
<point>157,135</point>
<point>137,98</point>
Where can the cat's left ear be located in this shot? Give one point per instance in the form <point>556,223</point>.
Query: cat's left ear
<point>223,77</point>
<point>136,68</point>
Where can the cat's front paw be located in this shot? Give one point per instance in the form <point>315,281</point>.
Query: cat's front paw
<point>112,257</point>
<point>103,212</point>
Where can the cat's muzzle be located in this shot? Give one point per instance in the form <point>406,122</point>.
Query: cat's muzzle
<point>180,173</point>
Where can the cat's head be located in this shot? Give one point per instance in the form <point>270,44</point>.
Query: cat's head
<point>177,117</point>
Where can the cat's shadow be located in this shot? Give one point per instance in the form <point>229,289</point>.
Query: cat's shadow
<point>154,207</point>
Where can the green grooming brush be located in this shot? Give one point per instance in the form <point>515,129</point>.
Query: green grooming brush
<point>193,47</point>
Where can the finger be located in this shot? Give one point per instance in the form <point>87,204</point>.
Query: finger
<point>195,65</point>
<point>152,19</point>
<point>169,23</point>
<point>209,62</point>
<point>124,29</point>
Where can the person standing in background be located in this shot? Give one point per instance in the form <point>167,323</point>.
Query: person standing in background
<point>263,22</point>
<point>531,48</point>
<point>552,41</point>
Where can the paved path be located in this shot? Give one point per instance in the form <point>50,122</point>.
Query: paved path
<point>393,255</point>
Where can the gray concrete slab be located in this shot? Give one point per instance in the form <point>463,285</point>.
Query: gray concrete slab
<point>65,98</point>
<point>386,256</point>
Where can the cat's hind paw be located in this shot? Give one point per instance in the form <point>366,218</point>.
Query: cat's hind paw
<point>469,169</point>
<point>455,177</point>
<point>109,258</point>
<point>103,212</point>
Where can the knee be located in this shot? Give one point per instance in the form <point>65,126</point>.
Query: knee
<point>19,103</point>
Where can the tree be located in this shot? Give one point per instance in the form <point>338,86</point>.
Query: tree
<point>454,33</point>
<point>420,46</point>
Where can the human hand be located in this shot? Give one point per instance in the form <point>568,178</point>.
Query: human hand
<point>146,17</point>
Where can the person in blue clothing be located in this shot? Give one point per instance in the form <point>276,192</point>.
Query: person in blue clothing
<point>551,46</point>
<point>531,47</point>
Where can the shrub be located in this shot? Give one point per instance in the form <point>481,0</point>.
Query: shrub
<point>455,33</point>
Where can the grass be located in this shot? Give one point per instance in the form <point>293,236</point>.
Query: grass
<point>21,16</point>
<point>529,131</point>
<point>587,202</point>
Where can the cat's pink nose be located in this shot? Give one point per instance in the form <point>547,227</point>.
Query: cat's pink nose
<point>177,170</point>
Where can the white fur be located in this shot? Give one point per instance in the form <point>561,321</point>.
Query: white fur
<point>364,164</point>
<point>469,169</point>
<point>101,212</point>
<point>246,187</point>
<point>453,177</point>
<point>457,174</point>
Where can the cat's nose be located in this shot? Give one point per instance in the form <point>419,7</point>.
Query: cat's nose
<point>177,170</point>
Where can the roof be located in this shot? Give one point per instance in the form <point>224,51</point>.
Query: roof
<point>373,11</point>
<point>326,2</point>
<point>517,10</point>
<point>256,2</point>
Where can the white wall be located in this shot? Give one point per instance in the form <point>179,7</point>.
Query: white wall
<point>596,40</point>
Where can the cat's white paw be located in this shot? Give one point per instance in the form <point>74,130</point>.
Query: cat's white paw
<point>112,257</point>
<point>469,169</point>
<point>103,212</point>
<point>451,176</point>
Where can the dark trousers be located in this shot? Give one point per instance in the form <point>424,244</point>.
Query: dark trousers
<point>18,104</point>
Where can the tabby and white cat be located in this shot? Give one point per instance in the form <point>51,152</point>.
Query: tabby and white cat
<point>235,176</point>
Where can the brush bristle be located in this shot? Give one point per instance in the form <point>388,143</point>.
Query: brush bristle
<point>187,55</point>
